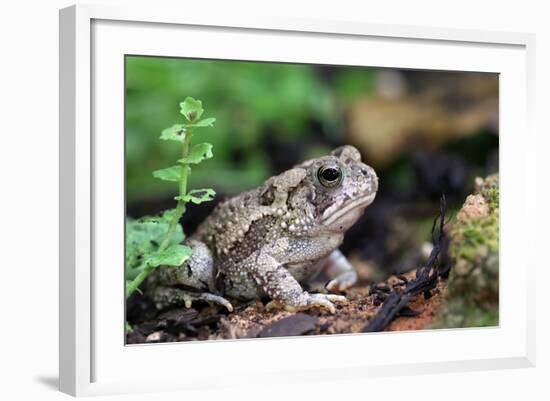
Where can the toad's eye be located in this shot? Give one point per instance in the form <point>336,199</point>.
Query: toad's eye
<point>330,176</point>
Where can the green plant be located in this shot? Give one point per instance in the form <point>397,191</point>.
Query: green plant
<point>157,241</point>
<point>256,101</point>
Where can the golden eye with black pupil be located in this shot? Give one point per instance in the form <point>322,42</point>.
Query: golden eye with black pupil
<point>329,176</point>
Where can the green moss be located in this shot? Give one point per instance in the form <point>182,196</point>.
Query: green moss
<point>472,293</point>
<point>458,313</point>
<point>489,189</point>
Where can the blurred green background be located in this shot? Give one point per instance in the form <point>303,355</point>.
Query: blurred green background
<point>248,99</point>
<point>270,116</point>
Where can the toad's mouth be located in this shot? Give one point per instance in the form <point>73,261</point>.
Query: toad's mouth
<point>337,212</point>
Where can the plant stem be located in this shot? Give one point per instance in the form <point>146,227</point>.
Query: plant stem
<point>136,282</point>
<point>176,216</point>
<point>180,208</point>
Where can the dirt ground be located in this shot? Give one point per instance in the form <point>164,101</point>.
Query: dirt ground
<point>205,322</point>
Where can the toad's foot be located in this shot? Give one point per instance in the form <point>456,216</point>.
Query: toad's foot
<point>168,296</point>
<point>341,271</point>
<point>342,282</point>
<point>210,298</point>
<point>308,301</point>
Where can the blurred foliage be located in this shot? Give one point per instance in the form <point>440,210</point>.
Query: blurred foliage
<point>249,99</point>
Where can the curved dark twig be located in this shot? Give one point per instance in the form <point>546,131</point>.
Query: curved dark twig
<point>426,278</point>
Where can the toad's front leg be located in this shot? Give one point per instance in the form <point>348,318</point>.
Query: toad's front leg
<point>283,289</point>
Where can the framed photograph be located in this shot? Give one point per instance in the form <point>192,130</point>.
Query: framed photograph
<point>291,198</point>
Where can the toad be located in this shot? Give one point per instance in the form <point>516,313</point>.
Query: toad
<point>271,240</point>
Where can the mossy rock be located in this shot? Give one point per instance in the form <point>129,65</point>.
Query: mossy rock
<point>472,291</point>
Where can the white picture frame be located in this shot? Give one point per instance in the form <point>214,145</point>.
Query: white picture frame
<point>93,357</point>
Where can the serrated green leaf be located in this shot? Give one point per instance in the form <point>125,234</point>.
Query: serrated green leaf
<point>174,133</point>
<point>198,196</point>
<point>207,122</point>
<point>168,174</point>
<point>198,153</point>
<point>191,108</point>
<point>143,238</point>
<point>174,255</point>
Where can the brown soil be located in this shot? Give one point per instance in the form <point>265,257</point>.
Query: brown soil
<point>426,309</point>
<point>204,322</point>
